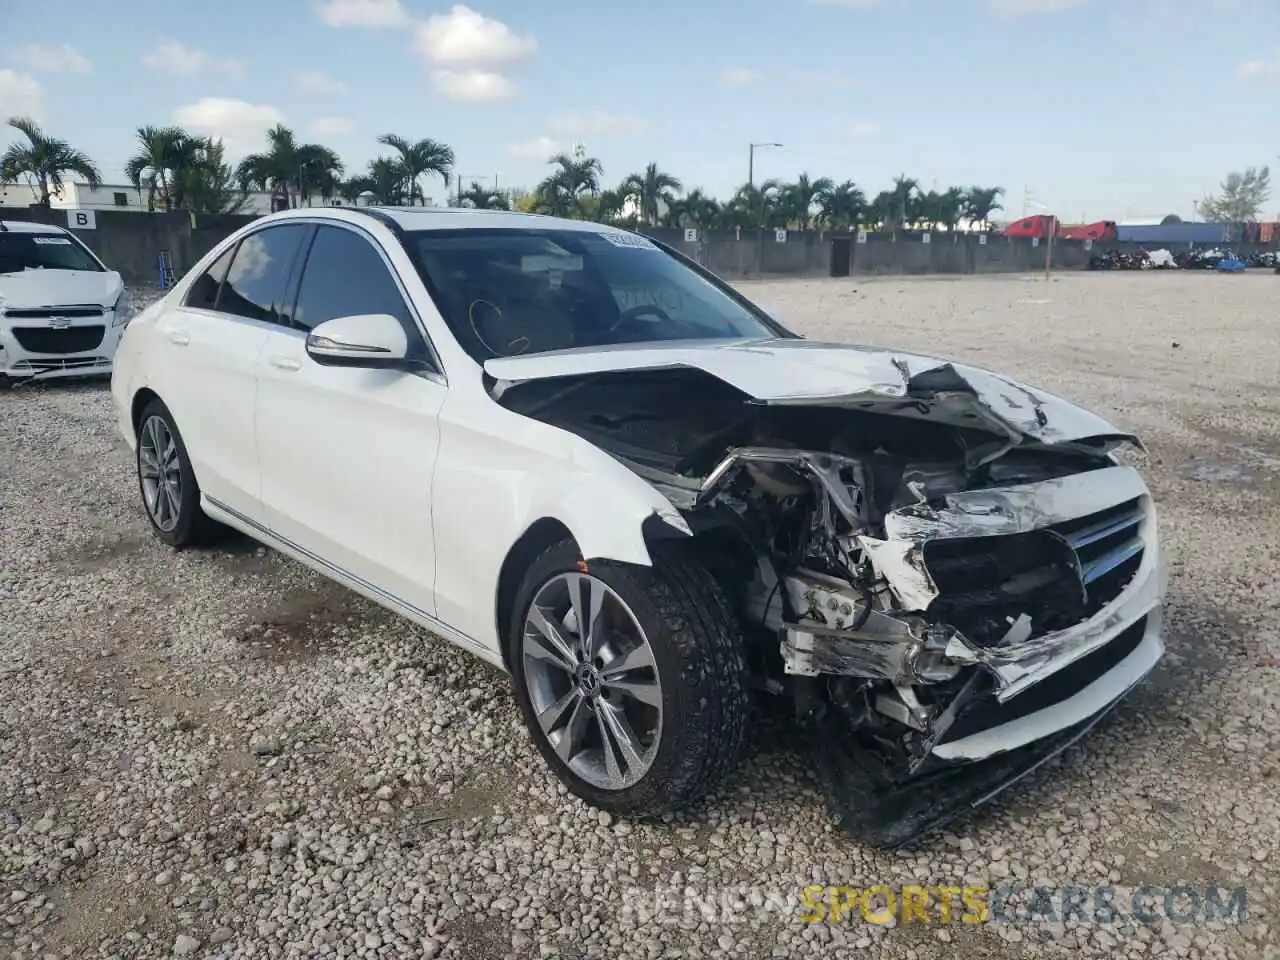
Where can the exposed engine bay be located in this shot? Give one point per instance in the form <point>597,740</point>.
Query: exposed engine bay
<point>906,568</point>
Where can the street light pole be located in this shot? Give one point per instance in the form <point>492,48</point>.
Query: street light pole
<point>751,161</point>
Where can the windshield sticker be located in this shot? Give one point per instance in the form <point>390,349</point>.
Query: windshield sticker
<point>58,240</point>
<point>633,240</point>
<point>544,263</point>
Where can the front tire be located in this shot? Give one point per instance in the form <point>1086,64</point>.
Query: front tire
<point>630,679</point>
<point>170,493</point>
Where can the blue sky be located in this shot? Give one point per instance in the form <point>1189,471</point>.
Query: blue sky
<point>1098,108</point>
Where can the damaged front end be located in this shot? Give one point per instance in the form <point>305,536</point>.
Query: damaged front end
<point>947,595</point>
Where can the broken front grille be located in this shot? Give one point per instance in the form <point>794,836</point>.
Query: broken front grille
<point>1058,575</point>
<point>66,340</point>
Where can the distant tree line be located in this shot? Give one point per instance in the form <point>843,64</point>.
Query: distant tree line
<point>177,170</point>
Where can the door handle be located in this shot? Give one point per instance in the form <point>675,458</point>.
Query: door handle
<point>284,363</point>
<point>179,337</point>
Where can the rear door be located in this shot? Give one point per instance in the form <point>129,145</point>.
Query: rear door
<point>210,346</point>
<point>348,454</point>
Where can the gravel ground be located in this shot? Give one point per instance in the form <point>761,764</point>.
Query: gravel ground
<point>221,754</point>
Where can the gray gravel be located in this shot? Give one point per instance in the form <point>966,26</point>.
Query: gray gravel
<point>220,754</point>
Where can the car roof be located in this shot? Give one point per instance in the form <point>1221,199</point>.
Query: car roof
<point>28,226</point>
<point>445,218</point>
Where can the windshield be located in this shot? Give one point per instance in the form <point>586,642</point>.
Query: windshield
<point>508,292</point>
<point>43,251</point>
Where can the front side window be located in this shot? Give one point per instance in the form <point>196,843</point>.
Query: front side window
<point>203,293</point>
<point>43,251</point>
<point>256,282</point>
<point>344,276</point>
<point>507,292</point>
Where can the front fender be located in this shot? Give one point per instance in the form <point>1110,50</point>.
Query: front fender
<point>492,485</point>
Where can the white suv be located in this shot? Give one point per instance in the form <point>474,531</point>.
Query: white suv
<point>61,309</point>
<point>581,457</point>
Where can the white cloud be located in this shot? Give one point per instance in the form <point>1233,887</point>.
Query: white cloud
<point>362,13</point>
<point>21,96</point>
<point>313,81</point>
<point>735,77</point>
<point>1020,8</point>
<point>597,122</point>
<point>463,36</point>
<point>1259,69</point>
<point>473,86</point>
<point>331,126</point>
<point>60,59</point>
<point>862,131</point>
<point>177,58</point>
<point>539,148</point>
<point>241,125</point>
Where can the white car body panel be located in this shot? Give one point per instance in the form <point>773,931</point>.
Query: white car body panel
<point>413,488</point>
<point>202,365</point>
<point>371,515</point>
<point>29,301</point>
<point>808,371</point>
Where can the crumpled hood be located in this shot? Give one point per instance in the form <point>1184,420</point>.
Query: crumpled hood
<point>813,373</point>
<point>59,288</point>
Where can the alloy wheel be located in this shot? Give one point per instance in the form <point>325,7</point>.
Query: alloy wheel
<point>160,472</point>
<point>592,679</point>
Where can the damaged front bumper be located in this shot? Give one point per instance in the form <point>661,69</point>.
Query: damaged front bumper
<point>1024,687</point>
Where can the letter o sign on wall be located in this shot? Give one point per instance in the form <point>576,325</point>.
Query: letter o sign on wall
<point>82,220</point>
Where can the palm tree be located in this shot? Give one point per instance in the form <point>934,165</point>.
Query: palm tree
<point>651,188</point>
<point>841,206</point>
<point>274,170</point>
<point>295,171</point>
<point>418,159</point>
<point>880,210</point>
<point>387,181</point>
<point>949,207</point>
<point>164,152</point>
<point>755,206</point>
<point>207,183</point>
<point>797,199</point>
<point>905,199</point>
<point>695,210</point>
<point>611,203</point>
<point>482,198</point>
<point>44,159</point>
<point>564,192</point>
<point>981,202</point>
<point>319,171</point>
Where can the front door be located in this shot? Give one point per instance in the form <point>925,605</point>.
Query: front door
<point>347,454</point>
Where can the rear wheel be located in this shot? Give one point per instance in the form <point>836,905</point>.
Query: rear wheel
<point>170,494</point>
<point>630,679</point>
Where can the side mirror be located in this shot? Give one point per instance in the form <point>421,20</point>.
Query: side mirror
<point>371,340</point>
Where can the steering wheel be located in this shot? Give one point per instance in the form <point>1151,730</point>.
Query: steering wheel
<point>631,314</point>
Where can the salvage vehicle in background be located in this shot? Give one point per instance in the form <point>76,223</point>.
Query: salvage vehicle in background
<point>585,459</point>
<point>61,309</point>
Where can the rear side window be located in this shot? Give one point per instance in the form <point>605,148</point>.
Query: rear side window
<point>346,276</point>
<point>256,283</point>
<point>204,292</point>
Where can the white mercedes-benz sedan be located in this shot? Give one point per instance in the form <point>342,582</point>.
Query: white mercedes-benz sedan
<point>577,454</point>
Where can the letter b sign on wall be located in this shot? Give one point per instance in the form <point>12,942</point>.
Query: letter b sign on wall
<point>81,220</point>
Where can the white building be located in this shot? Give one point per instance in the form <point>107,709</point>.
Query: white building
<point>114,196</point>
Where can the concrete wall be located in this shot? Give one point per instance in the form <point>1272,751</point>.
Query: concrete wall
<point>131,242</point>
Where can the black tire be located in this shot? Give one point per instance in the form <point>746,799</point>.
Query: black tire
<point>193,526</point>
<point>697,647</point>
